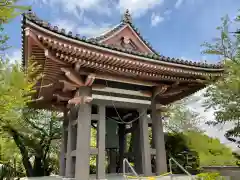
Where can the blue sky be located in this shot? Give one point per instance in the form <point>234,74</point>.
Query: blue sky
<point>175,28</point>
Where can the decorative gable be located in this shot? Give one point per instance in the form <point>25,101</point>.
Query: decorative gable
<point>126,36</point>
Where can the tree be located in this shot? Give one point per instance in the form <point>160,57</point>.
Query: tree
<point>9,10</point>
<point>180,118</point>
<point>223,96</point>
<point>33,134</point>
<point>211,152</point>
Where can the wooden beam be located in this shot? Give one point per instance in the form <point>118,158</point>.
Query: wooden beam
<point>61,98</point>
<point>104,76</point>
<point>73,76</point>
<point>119,99</point>
<point>98,86</point>
<point>123,91</point>
<point>68,86</point>
<point>80,100</point>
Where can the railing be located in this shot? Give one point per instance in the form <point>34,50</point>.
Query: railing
<point>179,165</point>
<point>125,161</point>
<point>136,176</point>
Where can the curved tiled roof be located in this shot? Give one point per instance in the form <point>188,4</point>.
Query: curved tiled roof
<point>34,19</point>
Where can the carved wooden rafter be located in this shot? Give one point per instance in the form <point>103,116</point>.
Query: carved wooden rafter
<point>46,51</point>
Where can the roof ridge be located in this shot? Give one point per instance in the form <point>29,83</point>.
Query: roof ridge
<point>31,16</point>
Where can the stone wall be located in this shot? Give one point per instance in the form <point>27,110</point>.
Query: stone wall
<point>232,171</point>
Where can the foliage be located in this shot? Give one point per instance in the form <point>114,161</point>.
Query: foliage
<point>211,152</point>
<point>9,10</point>
<point>223,96</point>
<point>177,147</point>
<point>209,176</point>
<point>180,118</point>
<point>33,135</point>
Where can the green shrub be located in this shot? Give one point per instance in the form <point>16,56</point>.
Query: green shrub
<point>209,176</point>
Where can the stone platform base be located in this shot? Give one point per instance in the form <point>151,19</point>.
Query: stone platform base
<point>116,177</point>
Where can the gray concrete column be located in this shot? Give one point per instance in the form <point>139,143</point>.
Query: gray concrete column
<point>63,146</point>
<point>137,148</point>
<point>161,160</point>
<point>69,161</point>
<point>101,132</point>
<point>122,144</point>
<point>145,146</point>
<point>83,137</point>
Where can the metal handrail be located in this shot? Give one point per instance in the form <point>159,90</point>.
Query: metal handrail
<point>179,165</point>
<point>170,168</point>
<point>124,168</point>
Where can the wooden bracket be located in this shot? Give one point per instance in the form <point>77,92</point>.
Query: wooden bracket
<point>160,90</point>
<point>90,79</point>
<point>72,76</point>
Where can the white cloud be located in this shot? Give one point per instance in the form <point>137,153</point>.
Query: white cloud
<point>93,30</point>
<point>77,7</point>
<point>178,3</point>
<point>156,19</point>
<point>14,56</point>
<point>138,7</point>
<point>167,12</point>
<point>66,24</point>
<point>88,29</point>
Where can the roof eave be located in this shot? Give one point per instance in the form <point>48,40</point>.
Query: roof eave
<point>85,42</point>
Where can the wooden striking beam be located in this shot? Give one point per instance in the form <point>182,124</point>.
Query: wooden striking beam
<point>72,76</point>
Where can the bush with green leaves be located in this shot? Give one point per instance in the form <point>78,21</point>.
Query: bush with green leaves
<point>210,176</point>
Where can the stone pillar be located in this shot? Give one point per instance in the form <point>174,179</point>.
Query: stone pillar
<point>83,137</point>
<point>145,146</point>
<point>101,131</point>
<point>63,146</point>
<point>137,148</point>
<point>161,160</point>
<point>122,145</point>
<point>69,173</point>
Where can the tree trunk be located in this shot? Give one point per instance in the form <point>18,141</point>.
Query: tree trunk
<point>25,159</point>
